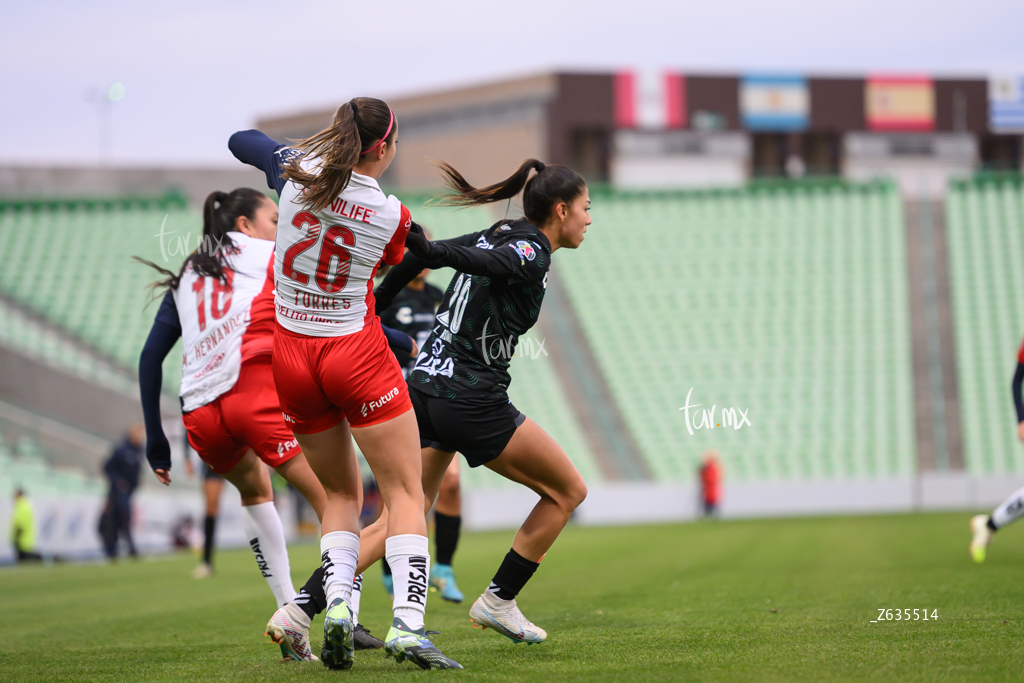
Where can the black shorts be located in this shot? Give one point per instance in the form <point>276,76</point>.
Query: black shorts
<point>479,429</point>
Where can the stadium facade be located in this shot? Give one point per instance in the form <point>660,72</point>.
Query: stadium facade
<point>672,129</point>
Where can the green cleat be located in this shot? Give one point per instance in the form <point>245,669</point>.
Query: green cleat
<point>404,643</point>
<point>338,650</point>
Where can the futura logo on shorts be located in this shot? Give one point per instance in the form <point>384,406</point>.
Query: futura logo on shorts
<point>373,405</point>
<point>283,447</point>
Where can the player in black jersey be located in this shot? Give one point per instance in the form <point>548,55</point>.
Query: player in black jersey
<point>460,379</point>
<point>413,312</point>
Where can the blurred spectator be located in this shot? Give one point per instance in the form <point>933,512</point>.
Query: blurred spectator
<point>122,471</point>
<point>710,483</point>
<point>23,529</point>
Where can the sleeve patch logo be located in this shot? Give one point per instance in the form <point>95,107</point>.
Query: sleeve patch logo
<point>524,249</point>
<point>482,243</point>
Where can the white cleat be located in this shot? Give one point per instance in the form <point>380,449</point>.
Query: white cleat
<point>490,611</point>
<point>292,638</point>
<point>982,536</point>
<point>202,571</point>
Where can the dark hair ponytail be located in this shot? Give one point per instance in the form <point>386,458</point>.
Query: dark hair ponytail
<point>220,213</point>
<point>360,125</point>
<point>551,185</point>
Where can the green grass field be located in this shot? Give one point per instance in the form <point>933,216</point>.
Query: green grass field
<point>746,601</point>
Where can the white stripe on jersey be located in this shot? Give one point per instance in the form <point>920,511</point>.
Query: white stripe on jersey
<point>214,317</point>
<point>326,259</point>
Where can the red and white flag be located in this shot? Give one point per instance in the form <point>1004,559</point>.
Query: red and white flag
<point>650,99</point>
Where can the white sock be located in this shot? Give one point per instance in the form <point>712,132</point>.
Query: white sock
<point>339,552</point>
<point>409,557</point>
<point>263,529</point>
<point>356,598</point>
<point>1010,510</point>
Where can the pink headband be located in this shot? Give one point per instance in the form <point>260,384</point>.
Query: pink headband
<point>384,137</point>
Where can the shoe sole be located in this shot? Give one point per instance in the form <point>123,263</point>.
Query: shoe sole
<point>281,639</point>
<point>402,656</point>
<point>338,651</point>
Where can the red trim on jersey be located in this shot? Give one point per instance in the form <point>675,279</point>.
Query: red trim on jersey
<point>395,249</point>
<point>258,339</point>
<point>1020,353</point>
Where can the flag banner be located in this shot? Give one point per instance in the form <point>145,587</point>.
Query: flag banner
<point>1006,104</point>
<point>779,103</point>
<point>899,103</point>
<point>649,99</point>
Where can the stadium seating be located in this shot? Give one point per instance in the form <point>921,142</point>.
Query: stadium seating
<point>29,338</point>
<point>24,462</point>
<point>788,301</point>
<point>985,219</point>
<point>71,262</point>
<point>535,389</point>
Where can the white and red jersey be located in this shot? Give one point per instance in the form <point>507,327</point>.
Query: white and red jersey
<point>326,259</point>
<point>225,323</point>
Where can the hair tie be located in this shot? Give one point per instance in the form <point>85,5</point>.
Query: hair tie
<point>541,166</point>
<point>384,137</point>
<point>355,107</point>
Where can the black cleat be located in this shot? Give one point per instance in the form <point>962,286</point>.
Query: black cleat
<point>365,641</point>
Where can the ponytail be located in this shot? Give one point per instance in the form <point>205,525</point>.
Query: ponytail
<point>360,126</point>
<point>551,185</point>
<point>220,213</point>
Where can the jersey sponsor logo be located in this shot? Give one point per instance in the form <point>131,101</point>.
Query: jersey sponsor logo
<point>417,580</point>
<point>525,249</point>
<point>482,243</point>
<point>284,447</point>
<point>404,315</point>
<point>254,543</point>
<point>288,418</point>
<point>379,403</point>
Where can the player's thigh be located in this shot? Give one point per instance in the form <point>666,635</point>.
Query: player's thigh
<point>332,458</point>
<point>252,479</point>
<point>535,460</point>
<point>392,449</point>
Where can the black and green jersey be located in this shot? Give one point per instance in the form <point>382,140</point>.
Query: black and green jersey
<point>494,297</point>
<point>413,312</point>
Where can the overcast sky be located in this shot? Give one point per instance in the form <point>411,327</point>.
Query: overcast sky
<point>197,71</point>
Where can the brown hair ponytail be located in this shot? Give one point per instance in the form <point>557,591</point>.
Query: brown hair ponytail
<point>360,125</point>
<point>551,185</point>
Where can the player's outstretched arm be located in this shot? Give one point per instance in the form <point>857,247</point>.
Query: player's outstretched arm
<point>162,336</point>
<point>410,266</point>
<point>502,261</point>
<point>257,149</point>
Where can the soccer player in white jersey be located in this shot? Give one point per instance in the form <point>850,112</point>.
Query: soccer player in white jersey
<point>221,304</point>
<point>335,375</point>
<point>1010,510</point>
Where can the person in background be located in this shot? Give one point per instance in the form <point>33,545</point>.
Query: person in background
<point>23,529</point>
<point>710,483</point>
<point>122,471</point>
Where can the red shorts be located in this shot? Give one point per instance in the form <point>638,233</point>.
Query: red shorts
<point>324,380</point>
<point>248,416</point>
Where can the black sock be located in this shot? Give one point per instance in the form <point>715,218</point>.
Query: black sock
<point>311,599</point>
<point>209,526</point>
<point>514,572</point>
<point>991,525</point>
<point>385,566</point>
<point>446,537</point>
